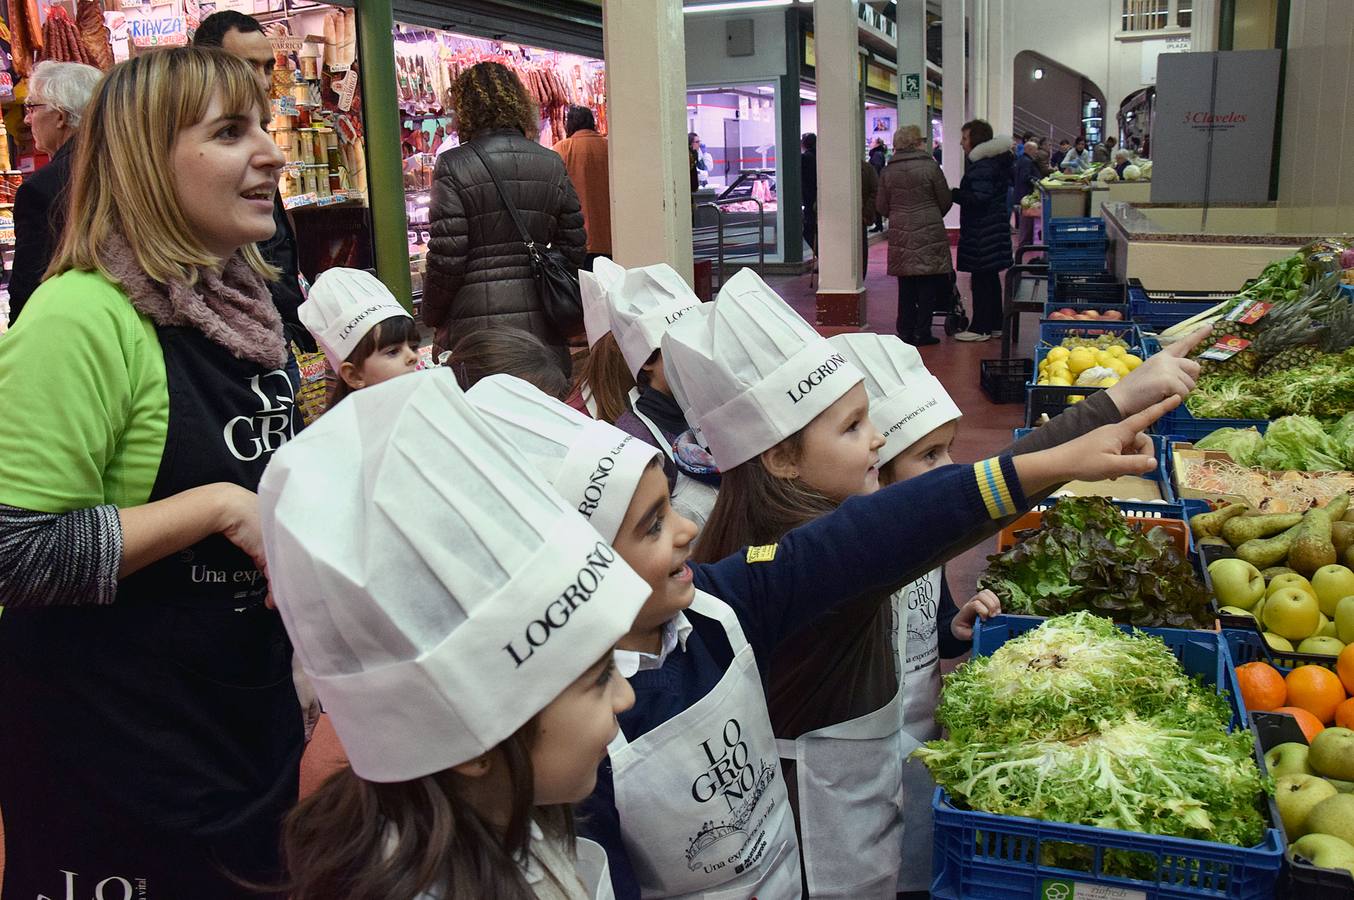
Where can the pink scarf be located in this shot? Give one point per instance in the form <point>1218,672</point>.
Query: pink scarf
<point>232,307</point>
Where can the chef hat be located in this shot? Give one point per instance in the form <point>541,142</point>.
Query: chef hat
<point>750,372</point>
<point>439,594</point>
<point>907,402</point>
<point>594,287</point>
<point>343,305</point>
<point>643,306</point>
<point>594,465</point>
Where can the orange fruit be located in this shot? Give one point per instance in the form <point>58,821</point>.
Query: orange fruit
<point>1344,667</point>
<point>1344,714</point>
<point>1311,726</point>
<point>1262,687</point>
<point>1317,690</point>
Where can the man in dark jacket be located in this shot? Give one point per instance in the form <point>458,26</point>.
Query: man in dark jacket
<point>808,176</point>
<point>242,36</point>
<point>57,95</point>
<point>984,231</point>
<point>879,155</point>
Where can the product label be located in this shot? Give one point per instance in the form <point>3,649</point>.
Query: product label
<point>287,44</point>
<point>285,106</point>
<point>1249,313</point>
<point>165,31</point>
<point>1061,889</point>
<point>1225,348</point>
<point>347,89</point>
<point>299,200</point>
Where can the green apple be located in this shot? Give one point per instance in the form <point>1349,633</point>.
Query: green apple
<point>1237,582</point>
<point>1278,643</point>
<point>1292,613</point>
<point>1322,646</point>
<point>1258,610</point>
<point>1288,759</point>
<point>1333,816</point>
<point>1279,582</point>
<point>1295,795</point>
<point>1332,753</point>
<point>1344,620</point>
<point>1324,851</point>
<point>1331,583</point>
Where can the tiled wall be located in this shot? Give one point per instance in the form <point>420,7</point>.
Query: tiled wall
<point>1316,162</point>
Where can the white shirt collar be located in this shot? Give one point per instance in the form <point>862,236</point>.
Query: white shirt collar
<point>675,632</point>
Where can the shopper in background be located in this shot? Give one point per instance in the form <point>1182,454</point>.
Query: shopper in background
<point>584,152</point>
<point>914,196</point>
<point>984,230</point>
<point>879,156</point>
<point>149,728</point>
<point>479,271</point>
<point>693,156</point>
<point>1122,160</point>
<point>507,351</point>
<point>57,95</point>
<point>1025,173</point>
<point>242,36</point>
<point>808,174</point>
<point>1064,147</point>
<point>1076,160</point>
<point>1041,157</point>
<point>869,189</point>
<point>1104,152</point>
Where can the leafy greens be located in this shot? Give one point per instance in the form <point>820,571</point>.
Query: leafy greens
<point>1087,557</point>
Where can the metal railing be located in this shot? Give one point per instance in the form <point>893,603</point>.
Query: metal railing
<point>1023,120</point>
<point>735,234</point>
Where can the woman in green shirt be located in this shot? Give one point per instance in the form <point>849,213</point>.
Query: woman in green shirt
<point>149,731</point>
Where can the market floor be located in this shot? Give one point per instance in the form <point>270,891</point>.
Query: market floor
<point>985,430</point>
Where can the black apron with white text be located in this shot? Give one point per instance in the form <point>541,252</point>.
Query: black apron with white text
<point>149,746</point>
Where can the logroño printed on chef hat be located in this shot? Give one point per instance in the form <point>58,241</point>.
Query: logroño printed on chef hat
<point>907,402</point>
<point>644,306</point>
<point>438,592</point>
<point>594,465</point>
<point>593,287</point>
<point>342,306</point>
<point>750,372</point>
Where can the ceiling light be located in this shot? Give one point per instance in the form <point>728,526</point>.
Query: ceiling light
<point>1038,74</point>
<point>734,4</point>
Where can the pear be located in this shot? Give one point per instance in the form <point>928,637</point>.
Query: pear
<point>1324,851</point>
<point>1332,753</point>
<point>1288,759</point>
<point>1344,620</point>
<point>1333,816</point>
<point>1296,796</point>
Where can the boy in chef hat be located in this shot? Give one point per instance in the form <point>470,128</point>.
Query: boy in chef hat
<point>919,421</point>
<point>605,383</point>
<point>698,648</point>
<point>786,416</point>
<point>457,621</point>
<point>366,334</point>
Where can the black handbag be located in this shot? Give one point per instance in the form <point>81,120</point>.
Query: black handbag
<point>556,278</point>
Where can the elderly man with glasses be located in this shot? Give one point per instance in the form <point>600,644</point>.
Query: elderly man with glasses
<point>57,95</point>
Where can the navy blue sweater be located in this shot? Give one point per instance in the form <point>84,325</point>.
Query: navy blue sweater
<point>868,543</point>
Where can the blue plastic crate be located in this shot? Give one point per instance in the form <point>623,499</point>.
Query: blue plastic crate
<point>1076,265</point>
<point>1052,332</point>
<point>1247,645</point>
<point>1052,306</point>
<point>1182,423</point>
<point>1074,229</point>
<point>1159,310</point>
<point>982,855</point>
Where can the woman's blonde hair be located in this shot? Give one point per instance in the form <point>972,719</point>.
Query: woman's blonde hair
<point>122,178</point>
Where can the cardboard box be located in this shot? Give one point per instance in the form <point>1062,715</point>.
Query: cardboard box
<point>1289,491</point>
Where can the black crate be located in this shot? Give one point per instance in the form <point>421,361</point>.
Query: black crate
<point>1003,380</point>
<point>1070,289</point>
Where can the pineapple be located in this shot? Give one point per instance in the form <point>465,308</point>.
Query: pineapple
<point>1339,333</point>
<point>1286,344</point>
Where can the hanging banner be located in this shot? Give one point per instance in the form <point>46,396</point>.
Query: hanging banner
<point>1213,129</point>
<point>164,31</point>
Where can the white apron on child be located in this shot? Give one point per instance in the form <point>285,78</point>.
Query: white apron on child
<point>916,605</point>
<point>701,798</point>
<point>850,779</point>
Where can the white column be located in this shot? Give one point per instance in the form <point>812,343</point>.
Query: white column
<point>841,290</point>
<point>954,70</point>
<point>911,31</point>
<point>645,48</point>
<point>1203,31</point>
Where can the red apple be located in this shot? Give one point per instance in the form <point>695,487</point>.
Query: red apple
<point>1060,315</point>
<point>1113,315</point>
<point>1091,314</point>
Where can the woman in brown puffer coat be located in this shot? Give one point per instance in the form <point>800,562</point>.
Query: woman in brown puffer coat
<point>914,196</point>
<point>479,274</point>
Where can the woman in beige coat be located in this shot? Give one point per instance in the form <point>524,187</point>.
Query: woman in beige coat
<point>914,196</point>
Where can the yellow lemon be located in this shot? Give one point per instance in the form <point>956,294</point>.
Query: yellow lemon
<point>1058,353</point>
<point>1075,398</point>
<point>1107,381</point>
<point>1117,351</point>
<point>1119,368</point>
<point>1103,358</point>
<point>1132,362</point>
<point>1080,360</point>
<point>1060,380</point>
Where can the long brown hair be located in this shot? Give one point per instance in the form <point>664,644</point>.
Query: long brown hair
<point>607,377</point>
<point>122,174</point>
<point>488,96</point>
<point>755,507</point>
<point>362,840</point>
<point>508,351</point>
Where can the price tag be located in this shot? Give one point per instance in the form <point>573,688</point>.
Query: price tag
<point>300,200</point>
<point>331,200</point>
<point>1249,313</point>
<point>7,234</point>
<point>1225,348</point>
<point>347,89</point>
<point>285,106</point>
<point>1063,889</point>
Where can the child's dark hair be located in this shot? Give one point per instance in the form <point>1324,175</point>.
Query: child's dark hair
<point>508,351</point>
<point>363,840</point>
<point>606,375</point>
<point>387,333</point>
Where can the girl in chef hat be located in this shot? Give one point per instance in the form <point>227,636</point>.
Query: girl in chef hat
<point>785,416</point>
<point>365,333</point>
<point>470,680</point>
<point>920,420</point>
<point>605,382</point>
<point>692,799</point>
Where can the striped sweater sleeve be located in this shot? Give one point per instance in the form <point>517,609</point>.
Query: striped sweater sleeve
<point>59,559</point>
